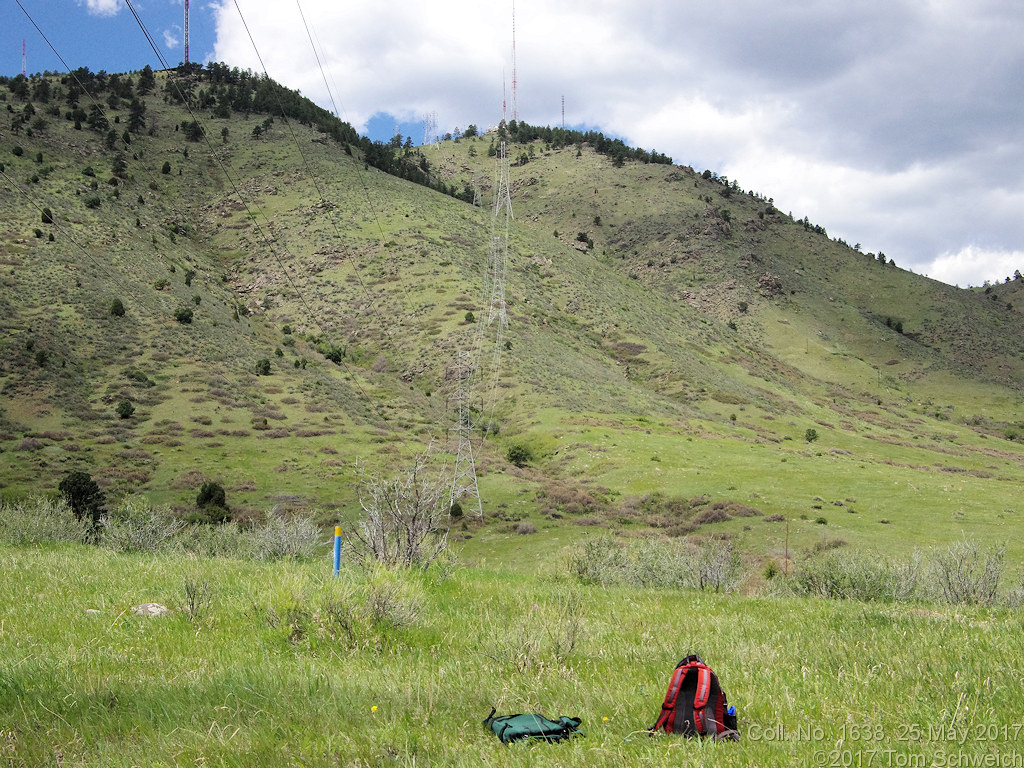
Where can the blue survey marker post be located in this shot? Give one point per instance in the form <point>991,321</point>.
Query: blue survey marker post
<point>337,549</point>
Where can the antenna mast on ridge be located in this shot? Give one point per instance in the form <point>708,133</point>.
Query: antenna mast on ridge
<point>24,59</point>
<point>515,81</point>
<point>186,31</point>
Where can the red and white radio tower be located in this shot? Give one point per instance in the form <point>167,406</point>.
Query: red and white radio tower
<point>186,31</point>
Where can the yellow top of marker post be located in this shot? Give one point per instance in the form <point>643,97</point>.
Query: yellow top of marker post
<point>337,530</point>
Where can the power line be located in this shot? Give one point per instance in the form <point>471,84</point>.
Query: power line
<point>267,240</point>
<point>389,340</point>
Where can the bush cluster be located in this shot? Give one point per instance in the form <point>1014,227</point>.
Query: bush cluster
<point>134,525</point>
<point>962,574</point>
<point>704,564</point>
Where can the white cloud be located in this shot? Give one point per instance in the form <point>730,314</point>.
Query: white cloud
<point>103,7</point>
<point>963,267</point>
<point>883,121</point>
<point>171,39</point>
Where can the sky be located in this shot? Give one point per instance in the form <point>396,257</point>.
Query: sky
<point>895,124</point>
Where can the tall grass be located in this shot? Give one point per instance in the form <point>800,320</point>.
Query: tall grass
<point>283,665</point>
<point>40,520</point>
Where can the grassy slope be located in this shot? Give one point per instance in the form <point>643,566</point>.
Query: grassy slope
<point>623,372</point>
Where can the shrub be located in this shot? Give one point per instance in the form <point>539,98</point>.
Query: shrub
<point>93,201</point>
<point>117,308</point>
<point>136,526</point>
<point>811,435</point>
<point>707,564</point>
<point>263,367</point>
<point>17,151</point>
<point>125,409</point>
<point>166,168</point>
<point>47,216</point>
<point>390,602</point>
<point>227,540</point>
<point>83,496</point>
<point>965,574</point>
<point>519,454</point>
<point>42,521</point>
<point>211,494</point>
<point>211,504</point>
<point>847,575</point>
<point>405,517</point>
<point>290,537</point>
<point>183,315</point>
<point>598,560</point>
<point>713,565</point>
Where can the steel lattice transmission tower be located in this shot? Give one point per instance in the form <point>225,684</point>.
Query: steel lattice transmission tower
<point>497,266</point>
<point>497,257</point>
<point>464,481</point>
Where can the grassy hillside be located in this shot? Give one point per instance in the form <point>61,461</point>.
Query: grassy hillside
<point>686,350</point>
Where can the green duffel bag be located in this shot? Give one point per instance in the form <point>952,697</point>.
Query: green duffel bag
<point>511,728</point>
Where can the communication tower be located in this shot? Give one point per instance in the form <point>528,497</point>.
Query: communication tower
<point>24,59</point>
<point>186,31</point>
<point>429,128</point>
<point>515,80</point>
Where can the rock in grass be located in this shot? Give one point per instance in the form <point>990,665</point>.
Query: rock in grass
<point>150,609</point>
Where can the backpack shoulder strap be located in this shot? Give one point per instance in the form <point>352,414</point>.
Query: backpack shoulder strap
<point>668,707</point>
<point>700,697</point>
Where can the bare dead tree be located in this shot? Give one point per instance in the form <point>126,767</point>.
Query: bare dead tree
<point>967,574</point>
<point>406,516</point>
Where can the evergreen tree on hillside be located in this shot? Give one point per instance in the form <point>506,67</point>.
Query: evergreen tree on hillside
<point>137,116</point>
<point>83,495</point>
<point>147,81</point>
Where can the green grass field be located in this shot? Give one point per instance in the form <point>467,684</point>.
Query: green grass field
<point>285,665</point>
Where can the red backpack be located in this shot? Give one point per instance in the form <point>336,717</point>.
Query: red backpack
<point>695,703</point>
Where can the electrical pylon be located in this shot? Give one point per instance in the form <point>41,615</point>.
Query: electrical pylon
<point>497,257</point>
